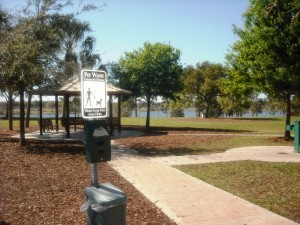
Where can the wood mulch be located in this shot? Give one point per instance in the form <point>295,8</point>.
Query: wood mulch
<point>43,183</point>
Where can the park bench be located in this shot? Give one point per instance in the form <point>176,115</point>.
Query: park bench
<point>73,121</point>
<point>78,121</point>
<point>47,125</point>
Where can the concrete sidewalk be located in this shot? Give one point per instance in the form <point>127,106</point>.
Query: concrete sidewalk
<point>190,201</point>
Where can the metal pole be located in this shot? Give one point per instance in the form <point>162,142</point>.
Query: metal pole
<point>94,174</point>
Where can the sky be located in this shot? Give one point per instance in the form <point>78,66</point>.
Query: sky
<point>200,29</point>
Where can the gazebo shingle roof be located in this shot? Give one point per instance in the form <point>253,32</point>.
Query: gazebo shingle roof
<point>73,87</point>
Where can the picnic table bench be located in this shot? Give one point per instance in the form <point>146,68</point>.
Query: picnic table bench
<point>78,121</point>
<point>47,125</point>
<point>73,121</point>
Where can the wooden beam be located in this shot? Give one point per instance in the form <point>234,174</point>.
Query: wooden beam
<point>119,113</point>
<point>41,114</point>
<point>56,111</point>
<point>67,115</point>
<point>111,126</point>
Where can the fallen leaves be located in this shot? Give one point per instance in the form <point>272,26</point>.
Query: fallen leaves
<point>43,183</point>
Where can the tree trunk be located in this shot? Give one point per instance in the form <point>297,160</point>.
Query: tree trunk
<point>287,133</point>
<point>207,110</point>
<point>22,140</point>
<point>136,108</point>
<point>10,109</point>
<point>197,112</point>
<point>28,110</point>
<point>148,114</point>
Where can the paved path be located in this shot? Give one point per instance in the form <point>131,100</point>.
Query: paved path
<point>190,201</point>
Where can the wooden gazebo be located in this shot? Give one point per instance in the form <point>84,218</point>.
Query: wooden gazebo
<point>73,88</point>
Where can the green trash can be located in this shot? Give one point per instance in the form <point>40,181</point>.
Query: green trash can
<point>106,205</point>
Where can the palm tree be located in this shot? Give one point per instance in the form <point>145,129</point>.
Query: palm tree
<point>72,31</point>
<point>87,57</point>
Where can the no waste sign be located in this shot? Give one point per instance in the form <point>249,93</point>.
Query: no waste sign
<point>93,94</point>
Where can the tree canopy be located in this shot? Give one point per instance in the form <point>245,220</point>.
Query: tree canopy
<point>202,84</point>
<point>268,49</point>
<point>151,71</point>
<point>31,46</point>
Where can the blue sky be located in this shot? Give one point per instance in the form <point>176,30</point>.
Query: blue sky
<point>200,29</point>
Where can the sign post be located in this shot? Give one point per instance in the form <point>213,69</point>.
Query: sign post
<point>93,106</point>
<point>93,94</point>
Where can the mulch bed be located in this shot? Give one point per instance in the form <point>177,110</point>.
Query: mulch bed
<point>43,183</point>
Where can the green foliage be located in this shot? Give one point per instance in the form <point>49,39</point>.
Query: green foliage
<point>267,53</point>
<point>176,108</point>
<point>236,88</point>
<point>149,72</point>
<point>30,48</point>
<point>70,32</point>
<point>269,47</point>
<point>275,105</point>
<point>128,106</point>
<point>202,84</point>
<point>87,56</point>
<point>256,106</point>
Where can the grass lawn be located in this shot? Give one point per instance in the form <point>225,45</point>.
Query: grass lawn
<point>221,145</point>
<point>261,125</point>
<point>16,123</point>
<point>274,186</point>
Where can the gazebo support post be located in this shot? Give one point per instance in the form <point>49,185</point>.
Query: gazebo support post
<point>67,115</point>
<point>41,114</point>
<point>111,126</point>
<point>119,113</point>
<point>56,111</point>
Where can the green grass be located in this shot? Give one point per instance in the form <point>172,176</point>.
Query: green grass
<point>16,123</point>
<point>274,186</point>
<point>221,145</point>
<point>261,125</point>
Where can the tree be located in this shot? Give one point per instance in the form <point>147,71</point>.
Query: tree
<point>268,49</point>
<point>177,106</point>
<point>256,106</point>
<point>71,32</point>
<point>275,105</point>
<point>236,91</point>
<point>28,49</point>
<point>202,84</point>
<point>88,58</point>
<point>151,71</point>
<point>5,26</point>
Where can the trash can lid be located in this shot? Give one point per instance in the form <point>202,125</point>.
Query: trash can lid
<point>106,195</point>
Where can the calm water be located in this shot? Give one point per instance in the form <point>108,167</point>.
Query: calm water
<point>189,113</point>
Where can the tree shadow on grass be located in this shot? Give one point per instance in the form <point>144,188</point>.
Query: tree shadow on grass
<point>54,147</point>
<point>174,152</point>
<point>155,129</point>
<point>258,119</point>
